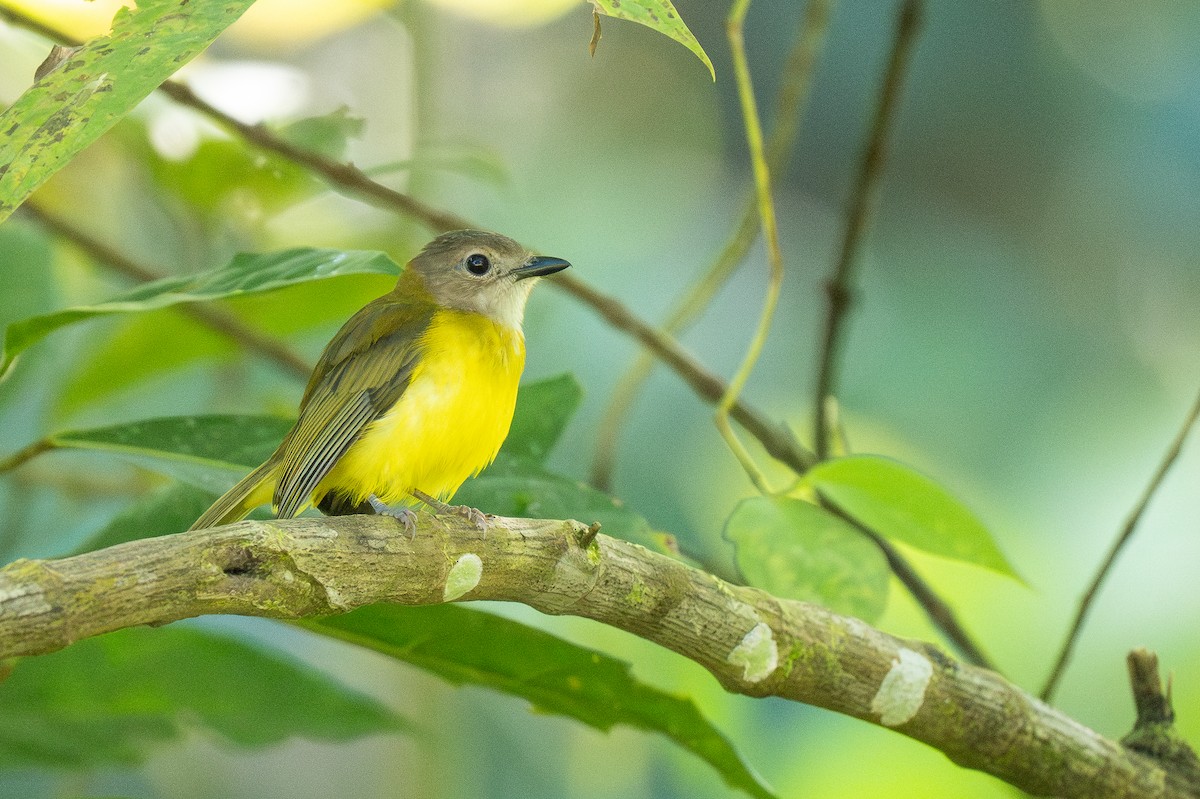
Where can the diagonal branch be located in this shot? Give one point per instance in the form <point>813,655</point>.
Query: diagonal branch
<point>1123,537</point>
<point>752,642</point>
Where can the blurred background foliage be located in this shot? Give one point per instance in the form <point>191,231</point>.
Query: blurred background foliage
<point>1026,331</point>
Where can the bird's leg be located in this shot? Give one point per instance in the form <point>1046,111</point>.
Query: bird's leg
<point>407,516</point>
<point>476,516</point>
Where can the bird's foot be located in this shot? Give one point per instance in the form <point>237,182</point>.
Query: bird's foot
<point>407,516</point>
<point>473,515</point>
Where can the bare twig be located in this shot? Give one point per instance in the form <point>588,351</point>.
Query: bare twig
<point>839,289</point>
<point>752,642</point>
<point>766,214</point>
<point>214,318</point>
<point>796,80</point>
<point>1126,533</point>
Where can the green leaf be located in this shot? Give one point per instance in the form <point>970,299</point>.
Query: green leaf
<point>108,700</point>
<point>901,504</point>
<point>464,646</point>
<point>794,549</point>
<point>543,410</point>
<point>97,84</point>
<point>246,273</point>
<point>208,452</point>
<point>659,15</point>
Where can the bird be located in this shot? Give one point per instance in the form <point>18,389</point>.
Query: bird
<point>412,396</point>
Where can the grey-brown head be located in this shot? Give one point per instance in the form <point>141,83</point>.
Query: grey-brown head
<point>475,270</point>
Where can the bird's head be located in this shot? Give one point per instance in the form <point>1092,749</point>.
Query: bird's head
<point>490,274</point>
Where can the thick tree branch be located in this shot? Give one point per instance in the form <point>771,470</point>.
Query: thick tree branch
<point>752,642</point>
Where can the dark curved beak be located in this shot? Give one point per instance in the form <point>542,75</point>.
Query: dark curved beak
<point>539,266</point>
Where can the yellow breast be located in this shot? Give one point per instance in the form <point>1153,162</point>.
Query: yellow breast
<point>450,421</point>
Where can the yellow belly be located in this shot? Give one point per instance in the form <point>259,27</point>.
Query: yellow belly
<point>450,421</point>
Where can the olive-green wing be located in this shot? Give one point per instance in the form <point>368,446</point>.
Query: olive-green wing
<point>360,376</point>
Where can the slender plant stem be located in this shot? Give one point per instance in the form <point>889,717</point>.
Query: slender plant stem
<point>214,318</point>
<point>794,89</point>
<point>24,455</point>
<point>1123,537</point>
<point>766,214</point>
<point>839,289</point>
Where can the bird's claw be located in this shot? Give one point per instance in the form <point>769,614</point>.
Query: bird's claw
<point>406,516</point>
<point>473,515</point>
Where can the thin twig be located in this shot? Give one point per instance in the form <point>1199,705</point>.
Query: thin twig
<point>1126,533</point>
<point>941,614</point>
<point>794,87</point>
<point>839,290</point>
<point>766,215</point>
<point>24,455</point>
<point>214,318</point>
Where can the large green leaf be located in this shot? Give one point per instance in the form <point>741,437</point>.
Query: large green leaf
<point>246,273</point>
<point>208,452</point>
<point>109,699</point>
<point>660,15</point>
<point>471,647</point>
<point>794,549</point>
<point>97,84</point>
<point>904,505</point>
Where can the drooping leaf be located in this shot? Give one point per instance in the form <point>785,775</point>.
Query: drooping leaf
<point>97,84</point>
<point>465,646</point>
<point>659,15</point>
<point>246,273</point>
<point>794,549</point>
<point>901,504</point>
<point>109,700</point>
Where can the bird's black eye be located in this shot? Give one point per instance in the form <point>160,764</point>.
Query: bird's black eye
<point>478,264</point>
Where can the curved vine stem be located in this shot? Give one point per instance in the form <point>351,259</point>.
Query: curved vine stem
<point>766,214</point>
<point>793,92</point>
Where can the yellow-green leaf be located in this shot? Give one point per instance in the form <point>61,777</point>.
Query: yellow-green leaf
<point>659,15</point>
<point>93,86</point>
<point>899,503</point>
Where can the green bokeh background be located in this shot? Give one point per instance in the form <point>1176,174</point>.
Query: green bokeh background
<point>1027,332</point>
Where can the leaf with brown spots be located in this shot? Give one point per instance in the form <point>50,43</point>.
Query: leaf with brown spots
<point>657,14</point>
<point>73,103</point>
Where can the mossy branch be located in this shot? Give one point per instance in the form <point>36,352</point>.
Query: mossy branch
<point>752,642</point>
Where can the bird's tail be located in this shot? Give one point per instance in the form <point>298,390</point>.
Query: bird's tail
<point>251,491</point>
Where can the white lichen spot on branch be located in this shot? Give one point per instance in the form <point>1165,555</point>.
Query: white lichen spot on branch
<point>464,575</point>
<point>902,691</point>
<point>757,654</point>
